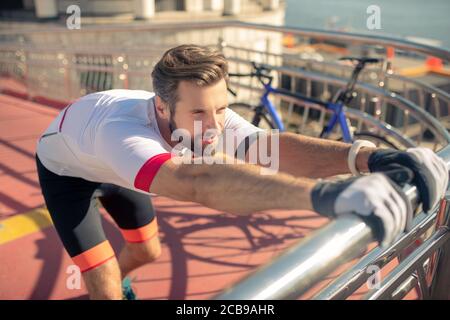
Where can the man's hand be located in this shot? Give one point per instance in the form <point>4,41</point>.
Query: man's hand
<point>430,171</point>
<point>375,198</point>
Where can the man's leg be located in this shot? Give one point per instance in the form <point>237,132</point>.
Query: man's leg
<point>134,214</point>
<point>74,212</point>
<point>104,282</point>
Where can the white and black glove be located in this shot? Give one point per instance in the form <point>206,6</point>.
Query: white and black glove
<point>377,199</point>
<point>430,171</point>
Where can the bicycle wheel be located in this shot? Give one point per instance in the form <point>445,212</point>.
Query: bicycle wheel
<point>379,141</point>
<point>249,113</point>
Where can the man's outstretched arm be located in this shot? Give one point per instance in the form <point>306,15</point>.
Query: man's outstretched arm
<point>236,188</point>
<point>241,189</point>
<point>310,157</point>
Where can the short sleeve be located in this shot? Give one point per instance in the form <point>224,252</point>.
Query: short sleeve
<point>243,131</point>
<point>133,151</point>
<point>234,121</point>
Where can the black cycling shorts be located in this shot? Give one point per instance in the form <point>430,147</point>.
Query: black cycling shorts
<point>73,207</point>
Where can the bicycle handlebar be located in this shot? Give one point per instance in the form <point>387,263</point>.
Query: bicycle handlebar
<point>261,74</point>
<point>260,71</point>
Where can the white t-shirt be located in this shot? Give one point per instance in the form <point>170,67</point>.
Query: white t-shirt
<point>113,137</point>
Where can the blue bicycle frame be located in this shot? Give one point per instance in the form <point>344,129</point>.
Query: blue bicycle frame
<point>336,108</point>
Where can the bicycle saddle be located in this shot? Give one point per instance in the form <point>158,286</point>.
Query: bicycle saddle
<point>362,60</point>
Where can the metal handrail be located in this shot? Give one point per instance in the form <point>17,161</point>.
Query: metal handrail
<point>344,285</point>
<point>409,265</point>
<point>305,264</point>
<point>356,38</point>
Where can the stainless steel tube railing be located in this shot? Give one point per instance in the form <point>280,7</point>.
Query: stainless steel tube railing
<point>398,43</point>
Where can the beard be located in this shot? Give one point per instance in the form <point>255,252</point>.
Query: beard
<point>193,141</point>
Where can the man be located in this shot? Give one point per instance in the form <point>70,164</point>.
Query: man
<point>117,146</point>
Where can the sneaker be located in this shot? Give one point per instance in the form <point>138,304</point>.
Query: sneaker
<point>127,290</point>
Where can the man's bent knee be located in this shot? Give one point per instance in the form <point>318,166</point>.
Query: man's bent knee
<point>146,251</point>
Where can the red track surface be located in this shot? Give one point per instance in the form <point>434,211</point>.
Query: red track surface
<point>204,251</point>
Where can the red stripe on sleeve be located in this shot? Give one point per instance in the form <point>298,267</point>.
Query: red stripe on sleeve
<point>148,171</point>
<point>63,117</point>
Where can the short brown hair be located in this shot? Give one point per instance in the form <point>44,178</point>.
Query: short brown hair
<point>201,65</point>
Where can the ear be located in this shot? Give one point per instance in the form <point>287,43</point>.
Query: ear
<point>162,108</point>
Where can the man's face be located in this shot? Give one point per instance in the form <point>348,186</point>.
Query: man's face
<point>204,104</point>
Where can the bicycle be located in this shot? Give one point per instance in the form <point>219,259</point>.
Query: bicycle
<point>265,115</point>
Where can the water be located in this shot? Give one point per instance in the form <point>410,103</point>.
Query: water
<point>417,18</point>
